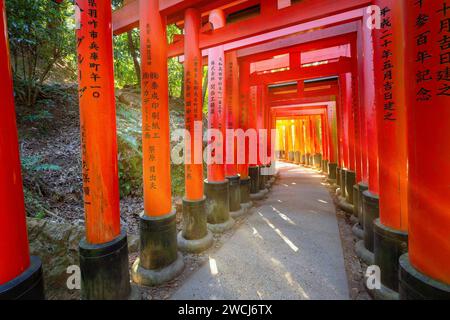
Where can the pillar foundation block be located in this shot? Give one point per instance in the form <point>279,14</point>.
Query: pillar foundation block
<point>159,260</point>
<point>259,195</point>
<point>104,270</point>
<point>359,208</point>
<point>194,237</point>
<point>371,211</point>
<point>338,176</point>
<point>297,157</point>
<point>357,231</point>
<point>217,201</point>
<point>303,159</point>
<point>317,160</point>
<point>350,180</point>
<point>389,245</point>
<point>364,254</point>
<point>344,205</point>
<point>332,169</point>
<point>27,286</point>
<point>253,173</point>
<point>195,245</point>
<point>342,174</point>
<point>262,178</point>
<point>221,227</point>
<point>246,202</point>
<point>235,194</point>
<point>414,285</point>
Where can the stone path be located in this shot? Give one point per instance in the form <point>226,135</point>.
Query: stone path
<point>288,248</point>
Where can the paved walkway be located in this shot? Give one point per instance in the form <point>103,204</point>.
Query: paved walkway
<point>289,248</point>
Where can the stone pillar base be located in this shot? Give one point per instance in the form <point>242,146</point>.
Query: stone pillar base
<point>104,270</point>
<point>291,156</point>
<point>414,285</point>
<point>350,180</point>
<point>342,182</point>
<point>195,245</point>
<point>332,168</point>
<point>359,207</point>
<point>253,173</point>
<point>217,202</point>
<point>317,160</point>
<point>364,254</point>
<point>297,157</point>
<point>245,193</point>
<point>371,212</point>
<point>303,159</point>
<point>235,193</point>
<point>27,286</point>
<point>338,176</point>
<point>344,205</point>
<point>389,245</point>
<point>195,236</point>
<point>260,195</point>
<point>262,177</point>
<point>159,260</point>
<point>357,231</point>
<point>221,227</point>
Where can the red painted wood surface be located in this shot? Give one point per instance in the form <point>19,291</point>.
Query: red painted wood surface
<point>391,115</point>
<point>14,252</point>
<point>216,102</point>
<point>193,74</point>
<point>98,122</point>
<point>155,111</point>
<point>370,110</point>
<point>428,100</point>
<point>244,107</point>
<point>232,106</point>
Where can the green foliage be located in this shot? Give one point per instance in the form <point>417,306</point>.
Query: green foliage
<point>130,150</point>
<point>34,163</point>
<point>32,167</point>
<point>124,71</point>
<point>41,37</point>
<point>175,69</point>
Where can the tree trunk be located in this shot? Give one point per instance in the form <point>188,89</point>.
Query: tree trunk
<point>132,49</point>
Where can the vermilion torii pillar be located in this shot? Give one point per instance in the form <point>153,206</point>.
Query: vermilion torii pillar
<point>262,136</point>
<point>20,274</point>
<point>317,142</point>
<point>255,193</point>
<point>367,89</point>
<point>104,251</point>
<point>243,147</point>
<point>390,231</point>
<point>195,236</point>
<point>333,143</point>
<point>369,198</point>
<point>216,185</point>
<point>298,141</point>
<point>424,271</point>
<point>159,260</point>
<point>348,172</point>
<point>232,124</point>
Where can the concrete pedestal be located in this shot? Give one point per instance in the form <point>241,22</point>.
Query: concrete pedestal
<point>414,285</point>
<point>389,245</point>
<point>195,236</point>
<point>159,260</point>
<point>27,286</point>
<point>104,270</point>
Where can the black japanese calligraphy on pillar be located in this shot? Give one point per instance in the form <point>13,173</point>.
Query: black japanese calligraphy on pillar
<point>387,65</point>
